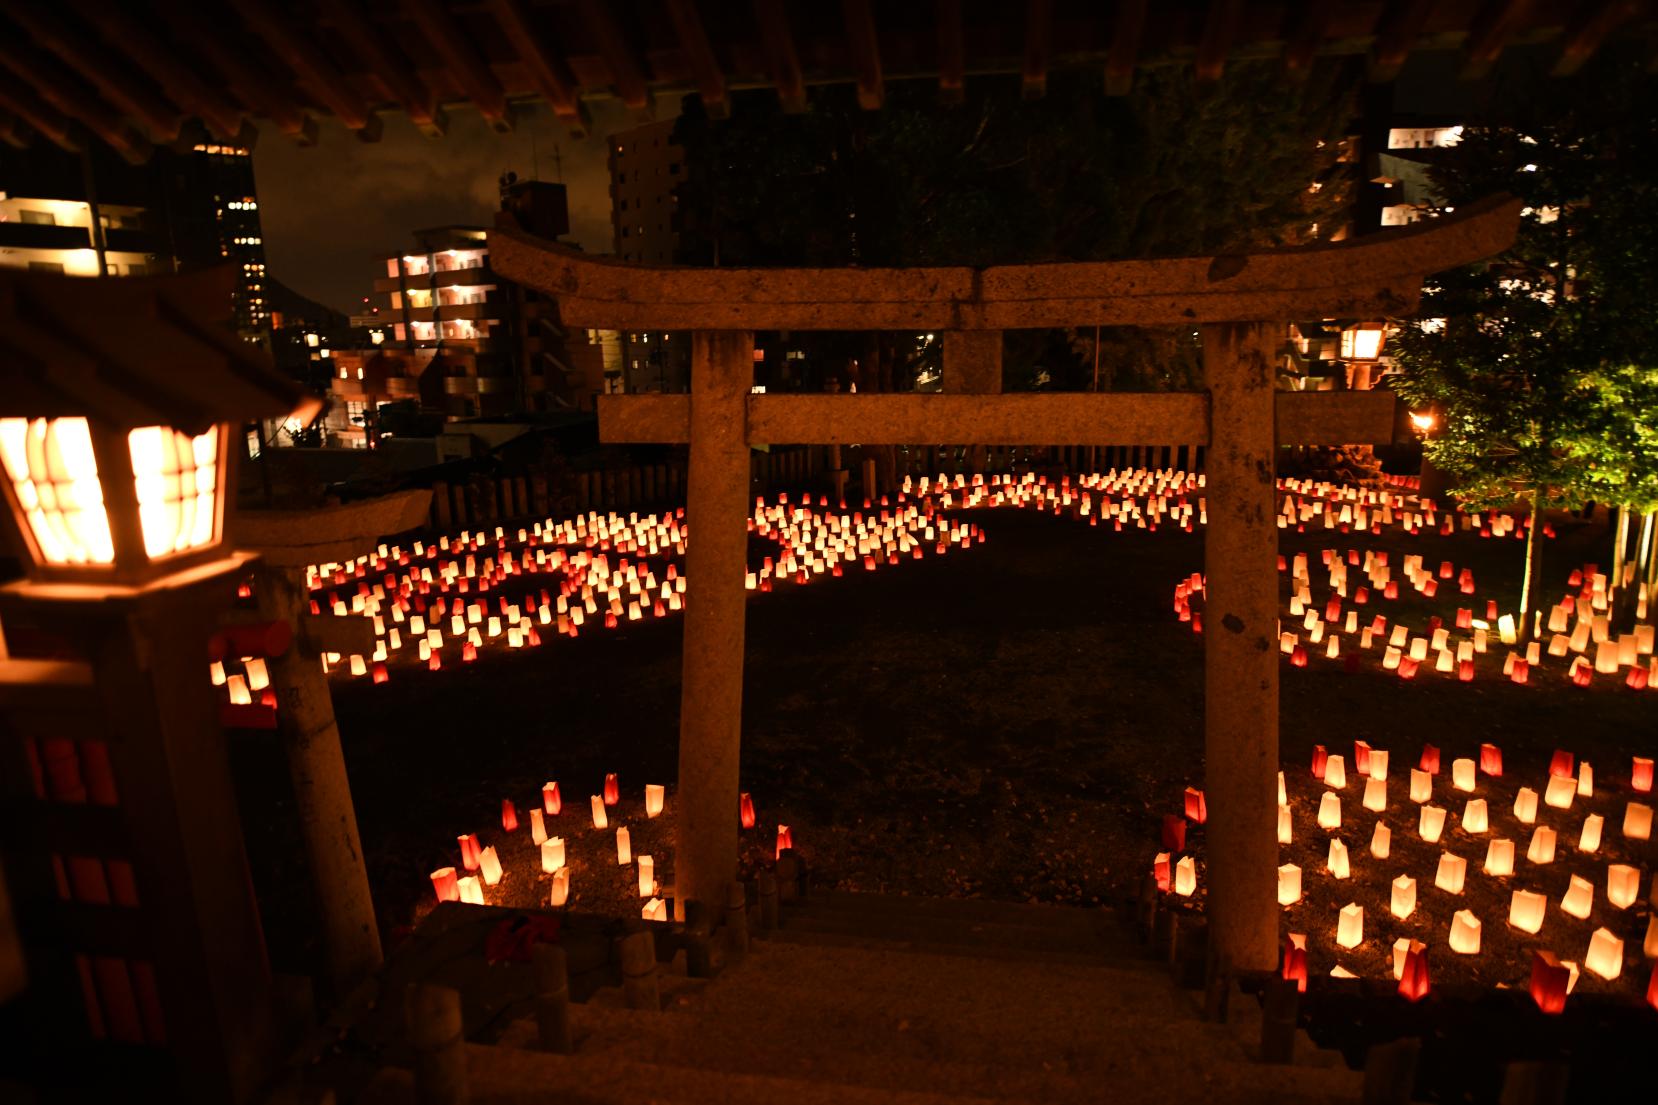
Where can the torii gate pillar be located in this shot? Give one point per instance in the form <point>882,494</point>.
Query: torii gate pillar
<point>1240,731</point>
<point>716,564</point>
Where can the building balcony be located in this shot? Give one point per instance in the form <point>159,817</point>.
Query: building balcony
<point>443,278</point>
<point>43,236</point>
<point>453,312</point>
<point>403,387</point>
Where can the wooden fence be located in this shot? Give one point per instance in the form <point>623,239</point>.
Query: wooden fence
<point>495,500</point>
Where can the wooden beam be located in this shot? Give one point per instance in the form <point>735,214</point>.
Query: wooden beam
<point>104,72</point>
<point>864,46</point>
<point>463,61</point>
<point>1305,26</point>
<point>14,132</point>
<point>242,69</point>
<point>1489,34</point>
<point>19,99</point>
<point>1377,275</point>
<point>626,75</point>
<point>552,77</point>
<point>379,55</point>
<point>60,90</point>
<point>311,66</point>
<point>1039,25</point>
<point>699,58</point>
<point>1588,29</point>
<point>1128,24</point>
<point>160,60</point>
<point>1020,418</point>
<point>1397,29</point>
<point>781,61</point>
<point>952,65</point>
<point>1220,26</point>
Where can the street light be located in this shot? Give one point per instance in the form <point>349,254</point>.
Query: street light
<point>1361,348</point>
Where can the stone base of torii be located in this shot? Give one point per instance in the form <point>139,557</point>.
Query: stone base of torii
<point>1240,303</point>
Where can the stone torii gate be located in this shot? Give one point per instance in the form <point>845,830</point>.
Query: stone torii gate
<point>1238,301</point>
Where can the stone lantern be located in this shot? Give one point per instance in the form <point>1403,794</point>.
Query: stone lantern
<point>121,407</point>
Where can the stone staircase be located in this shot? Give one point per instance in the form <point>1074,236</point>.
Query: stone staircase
<point>864,998</point>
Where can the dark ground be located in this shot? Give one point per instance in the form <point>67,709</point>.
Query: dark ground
<point>1009,721</point>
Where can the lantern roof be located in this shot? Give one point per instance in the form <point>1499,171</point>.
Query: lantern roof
<point>133,351</point>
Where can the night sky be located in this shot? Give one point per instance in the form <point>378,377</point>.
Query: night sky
<point>330,209</point>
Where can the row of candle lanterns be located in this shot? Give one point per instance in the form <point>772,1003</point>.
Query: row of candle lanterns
<point>1568,779</point>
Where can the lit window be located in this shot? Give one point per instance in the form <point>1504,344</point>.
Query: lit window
<point>55,476</point>
<point>175,477</point>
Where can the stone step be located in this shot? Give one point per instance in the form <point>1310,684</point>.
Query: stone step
<point>809,933</point>
<point>1085,933</point>
<point>1097,921</point>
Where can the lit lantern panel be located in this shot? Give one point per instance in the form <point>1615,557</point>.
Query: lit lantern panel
<point>55,475</point>
<point>177,481</point>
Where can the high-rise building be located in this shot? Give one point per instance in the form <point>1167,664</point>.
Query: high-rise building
<point>449,335</point>
<point>82,214</point>
<point>645,168</point>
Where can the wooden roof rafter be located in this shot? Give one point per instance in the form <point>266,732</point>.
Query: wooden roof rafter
<point>699,57</point>
<point>312,66</point>
<point>461,58</point>
<point>99,68</point>
<point>547,70</point>
<point>386,63</point>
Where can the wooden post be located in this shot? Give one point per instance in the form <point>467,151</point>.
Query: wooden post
<point>716,564</point>
<point>432,1017</point>
<point>322,791</point>
<point>736,921</point>
<point>699,933</point>
<point>973,365</point>
<point>441,516</point>
<point>639,954</point>
<point>1390,1072</point>
<point>768,901</point>
<point>552,998</point>
<point>1240,647</point>
<point>1278,1020</point>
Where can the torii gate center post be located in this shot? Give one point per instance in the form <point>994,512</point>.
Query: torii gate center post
<point>1238,301</point>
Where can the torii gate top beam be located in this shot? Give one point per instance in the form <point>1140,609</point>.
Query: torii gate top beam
<point>1378,275</point>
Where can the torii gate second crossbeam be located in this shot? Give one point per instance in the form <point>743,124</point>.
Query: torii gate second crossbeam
<point>1235,300</point>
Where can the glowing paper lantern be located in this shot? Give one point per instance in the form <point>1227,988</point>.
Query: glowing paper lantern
<point>1525,910</point>
<point>1560,791</point>
<point>561,887</point>
<point>552,854</point>
<point>490,866</point>
<point>654,795</point>
<point>1174,833</point>
<point>1452,873</point>
<point>1525,805</point>
<point>655,910</point>
<point>1637,821</point>
<point>1462,774</point>
<point>1361,757</point>
<point>1579,899</point>
<point>1499,858</point>
<point>1160,871</point>
<point>1285,832</point>
<point>509,816</point>
<point>1185,877</point>
<point>1320,761</point>
<point>1283,796</point>
<point>1640,776</point>
<point>1465,933</point>
<point>1381,841</point>
<point>600,821</point>
<point>1350,926</point>
<point>1431,823</point>
<point>446,885</point>
<point>612,790</point>
<point>1550,981</point>
<point>1588,840</point>
<point>1421,785</point>
<point>1623,885</point>
<point>472,891</point>
<point>647,876</point>
<point>1402,948</point>
<point>1542,845</point>
<point>1413,974</point>
<point>1329,811</point>
<point>624,847</point>
<point>1404,896</point>
<point>785,841</point>
<point>538,827</point>
<point>1335,772</point>
<point>1375,794</point>
<point>1196,810</point>
<point>1295,960</point>
<point>1649,947</point>
<point>1430,759</point>
<point>550,800</point>
<point>1491,760</point>
<point>1378,764</point>
<point>1336,862</point>
<point>469,851</point>
<point>1585,780</point>
<point>1605,955</point>
<point>1289,884</point>
<point>745,811</point>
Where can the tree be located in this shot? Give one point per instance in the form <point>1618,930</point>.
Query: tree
<point>1525,359</point>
